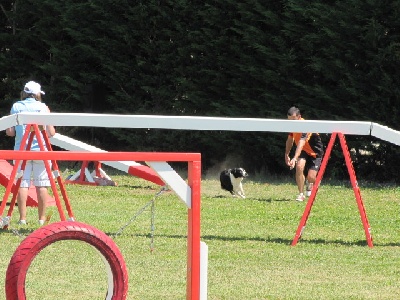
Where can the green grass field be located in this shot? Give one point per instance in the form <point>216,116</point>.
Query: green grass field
<point>250,256</point>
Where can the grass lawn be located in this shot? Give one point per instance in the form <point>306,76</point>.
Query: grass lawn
<point>250,256</point>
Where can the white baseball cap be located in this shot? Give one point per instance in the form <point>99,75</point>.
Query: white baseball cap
<point>33,88</point>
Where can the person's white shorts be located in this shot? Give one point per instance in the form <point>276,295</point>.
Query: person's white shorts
<point>35,170</point>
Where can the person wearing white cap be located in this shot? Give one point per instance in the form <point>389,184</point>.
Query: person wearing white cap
<point>31,101</point>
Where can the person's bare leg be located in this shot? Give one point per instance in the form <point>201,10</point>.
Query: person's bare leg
<point>300,174</point>
<point>312,176</point>
<point>42,194</point>
<point>21,200</point>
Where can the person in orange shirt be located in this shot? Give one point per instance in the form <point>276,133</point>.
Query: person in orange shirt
<point>307,157</point>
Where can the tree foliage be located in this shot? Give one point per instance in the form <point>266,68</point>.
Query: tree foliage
<point>336,60</point>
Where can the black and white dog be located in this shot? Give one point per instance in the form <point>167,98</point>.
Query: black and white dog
<point>231,180</point>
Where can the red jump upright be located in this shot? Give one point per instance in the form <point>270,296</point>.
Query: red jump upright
<point>190,193</point>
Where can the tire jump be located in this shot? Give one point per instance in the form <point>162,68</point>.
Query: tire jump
<point>66,230</point>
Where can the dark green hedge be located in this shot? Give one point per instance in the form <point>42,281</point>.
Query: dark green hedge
<point>336,60</point>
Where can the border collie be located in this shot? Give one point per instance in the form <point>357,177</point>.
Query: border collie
<point>231,180</point>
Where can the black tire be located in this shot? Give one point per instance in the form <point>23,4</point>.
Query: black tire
<point>46,235</point>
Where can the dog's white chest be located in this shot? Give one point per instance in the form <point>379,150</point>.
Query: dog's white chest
<point>236,183</point>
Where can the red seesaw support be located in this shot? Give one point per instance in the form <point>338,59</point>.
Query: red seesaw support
<point>354,184</point>
<point>31,131</point>
<point>97,177</point>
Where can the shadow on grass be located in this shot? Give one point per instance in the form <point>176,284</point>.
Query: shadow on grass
<point>272,240</point>
<point>24,232</point>
<point>148,187</point>
<point>270,199</point>
<point>344,243</point>
<point>21,232</point>
<point>251,199</point>
<point>257,239</point>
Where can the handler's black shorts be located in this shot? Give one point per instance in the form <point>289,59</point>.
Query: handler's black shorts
<point>312,163</point>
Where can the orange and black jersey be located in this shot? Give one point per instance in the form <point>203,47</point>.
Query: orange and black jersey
<point>313,145</point>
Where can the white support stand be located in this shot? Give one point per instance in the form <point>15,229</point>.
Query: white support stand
<point>88,176</point>
<point>203,270</point>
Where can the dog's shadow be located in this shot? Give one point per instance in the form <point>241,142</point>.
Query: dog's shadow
<point>270,199</point>
<point>219,197</point>
<point>251,198</point>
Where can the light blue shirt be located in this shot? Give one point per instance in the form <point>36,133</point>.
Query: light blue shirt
<point>27,105</point>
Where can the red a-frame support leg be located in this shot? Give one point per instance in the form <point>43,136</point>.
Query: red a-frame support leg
<point>31,131</point>
<point>354,184</point>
